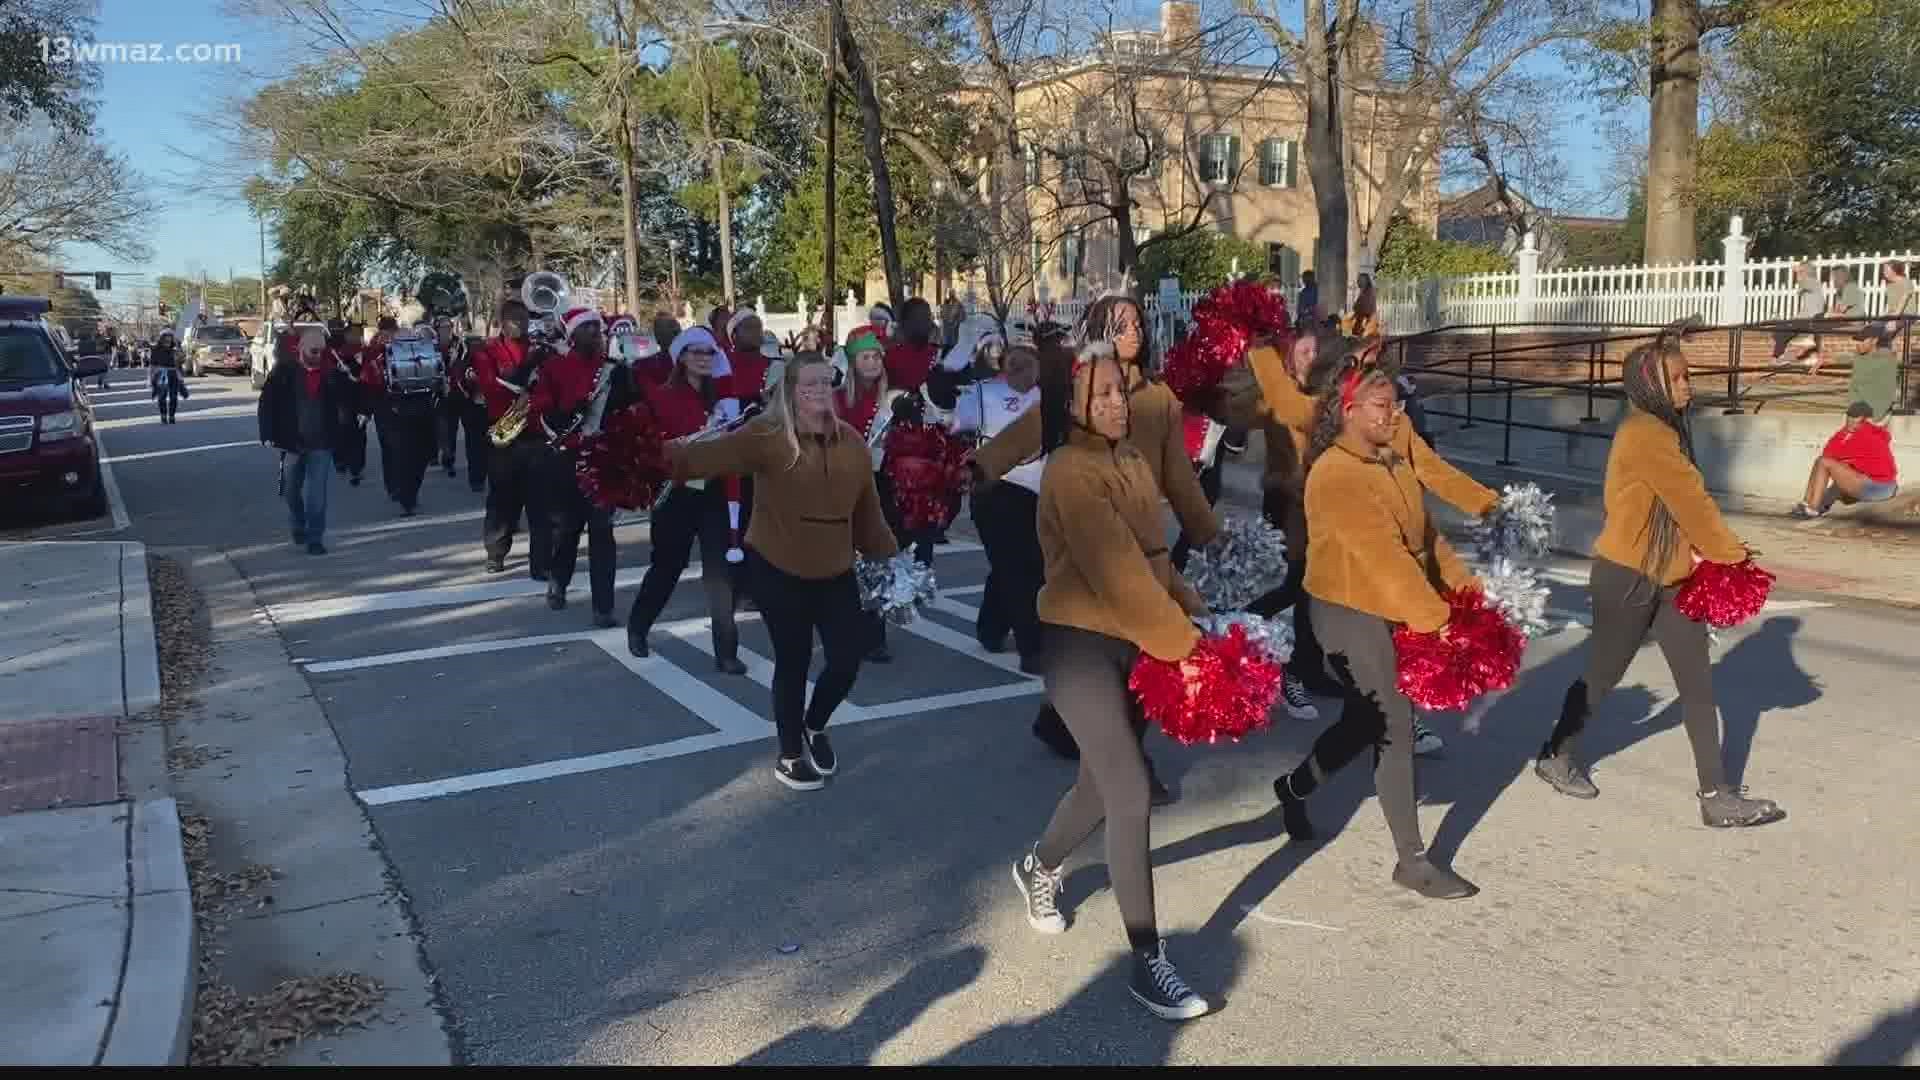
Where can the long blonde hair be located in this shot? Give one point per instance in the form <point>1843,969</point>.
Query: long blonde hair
<point>783,411</point>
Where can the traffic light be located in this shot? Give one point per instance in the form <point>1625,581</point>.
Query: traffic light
<point>103,281</point>
<point>165,311</point>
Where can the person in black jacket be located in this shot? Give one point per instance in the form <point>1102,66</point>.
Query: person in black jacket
<point>164,361</point>
<point>304,405</point>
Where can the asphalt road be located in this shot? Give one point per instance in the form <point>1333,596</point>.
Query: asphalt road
<point>605,871</point>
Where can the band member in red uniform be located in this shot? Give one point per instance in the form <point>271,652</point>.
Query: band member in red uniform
<point>688,402</point>
<point>570,399</point>
<point>405,423</point>
<point>461,408</point>
<point>350,442</point>
<point>504,369</point>
<point>911,352</point>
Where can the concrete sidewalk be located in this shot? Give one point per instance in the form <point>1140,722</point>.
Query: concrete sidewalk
<point>93,883</point>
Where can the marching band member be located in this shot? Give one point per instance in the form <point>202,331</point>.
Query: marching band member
<point>817,506</point>
<point>1374,560</point>
<point>694,510</point>
<point>1004,514</point>
<point>462,408</point>
<point>503,371</point>
<point>405,422</point>
<point>574,393</point>
<point>1658,516</point>
<point>350,442</point>
<point>1156,429</point>
<point>1111,593</point>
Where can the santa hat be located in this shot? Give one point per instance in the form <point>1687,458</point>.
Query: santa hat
<point>733,324</point>
<point>575,318</point>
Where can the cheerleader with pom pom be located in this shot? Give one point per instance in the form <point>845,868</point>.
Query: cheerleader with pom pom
<point>692,511</point>
<point>1110,595</point>
<point>814,506</point>
<point>1658,515</point>
<point>1375,563</point>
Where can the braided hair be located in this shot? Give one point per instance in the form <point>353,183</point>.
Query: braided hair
<point>1097,325</point>
<point>1644,377</point>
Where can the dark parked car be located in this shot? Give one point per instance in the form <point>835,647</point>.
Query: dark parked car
<point>48,452</point>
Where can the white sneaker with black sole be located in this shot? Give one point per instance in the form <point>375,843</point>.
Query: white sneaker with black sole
<point>1040,889</point>
<point>820,753</point>
<point>1159,987</point>
<point>798,774</point>
<point>1299,703</point>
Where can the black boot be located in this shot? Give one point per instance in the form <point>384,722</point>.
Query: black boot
<point>1293,808</point>
<point>1556,764</point>
<point>726,652</point>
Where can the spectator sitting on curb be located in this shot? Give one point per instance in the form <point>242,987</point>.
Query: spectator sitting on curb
<point>1856,465</point>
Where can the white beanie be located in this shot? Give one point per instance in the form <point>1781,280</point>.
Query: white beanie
<point>698,335</point>
<point>739,317</point>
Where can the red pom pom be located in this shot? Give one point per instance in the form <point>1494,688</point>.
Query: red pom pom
<point>1234,687</point>
<point>624,466</point>
<point>1225,322</point>
<point>1481,654</point>
<point>927,468</point>
<point>1724,594</point>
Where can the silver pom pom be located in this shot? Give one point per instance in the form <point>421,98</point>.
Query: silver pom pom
<point>1512,591</point>
<point>1245,562</point>
<point>1271,636</point>
<point>897,589</point>
<point>1519,527</point>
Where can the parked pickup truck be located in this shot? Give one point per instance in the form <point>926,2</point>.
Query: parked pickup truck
<point>49,455</point>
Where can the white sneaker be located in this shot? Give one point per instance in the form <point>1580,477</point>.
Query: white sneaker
<point>1299,703</point>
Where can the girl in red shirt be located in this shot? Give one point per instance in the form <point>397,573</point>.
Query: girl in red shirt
<point>695,510</point>
<point>1857,465</point>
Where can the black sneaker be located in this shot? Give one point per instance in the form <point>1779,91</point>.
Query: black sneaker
<point>1300,704</point>
<point>1040,888</point>
<point>1730,808</point>
<point>798,774</point>
<point>556,596</point>
<point>316,548</point>
<point>1565,775</point>
<point>1293,811</point>
<point>496,566</point>
<point>299,538</point>
<point>820,753</point>
<point>1159,987</point>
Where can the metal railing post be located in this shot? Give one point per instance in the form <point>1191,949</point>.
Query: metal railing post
<point>1593,375</point>
<point>1733,373</point>
<point>1506,435</point>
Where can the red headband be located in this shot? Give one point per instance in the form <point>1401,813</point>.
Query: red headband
<point>1349,386</point>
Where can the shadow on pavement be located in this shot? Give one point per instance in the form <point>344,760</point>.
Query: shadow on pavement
<point>1756,676</point>
<point>1887,1042</point>
<point>885,1015</point>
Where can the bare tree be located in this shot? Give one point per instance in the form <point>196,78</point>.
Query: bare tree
<point>59,186</point>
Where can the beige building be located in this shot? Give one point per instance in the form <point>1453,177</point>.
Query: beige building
<point>1193,133</point>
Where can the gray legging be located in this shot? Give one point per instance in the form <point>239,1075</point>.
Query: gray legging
<point>1360,655</point>
<point>1087,684</point>
<point>1626,606</point>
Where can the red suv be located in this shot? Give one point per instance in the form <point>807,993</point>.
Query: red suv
<point>48,452</point>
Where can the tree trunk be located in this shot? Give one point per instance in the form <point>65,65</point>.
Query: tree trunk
<point>1006,190</point>
<point>720,192</point>
<point>1673,130</point>
<point>629,243</point>
<point>856,68</point>
<point>1325,147</point>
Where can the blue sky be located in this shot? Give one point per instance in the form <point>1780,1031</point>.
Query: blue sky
<point>147,112</point>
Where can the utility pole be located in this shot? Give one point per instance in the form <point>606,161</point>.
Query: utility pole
<point>833,69</point>
<point>262,219</point>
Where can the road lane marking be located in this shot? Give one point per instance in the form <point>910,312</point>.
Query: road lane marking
<point>218,412</point>
<point>472,648</point>
<point>548,770</point>
<point>445,595</point>
<point>182,450</point>
<point>116,505</point>
<point>688,691</point>
<point>1253,911</point>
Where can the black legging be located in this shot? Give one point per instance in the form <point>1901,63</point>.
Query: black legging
<point>571,513</point>
<point>689,515</point>
<point>1360,656</point>
<point>921,541</point>
<point>793,609</point>
<point>1308,662</point>
<point>1087,683</point>
<point>407,436</point>
<point>517,482</point>
<point>1211,479</point>
<point>1004,515</point>
<point>166,391</point>
<point>1626,608</point>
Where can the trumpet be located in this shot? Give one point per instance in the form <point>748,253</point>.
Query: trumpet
<point>715,428</point>
<point>545,294</point>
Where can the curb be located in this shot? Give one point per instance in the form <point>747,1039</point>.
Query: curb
<point>139,651</point>
<point>155,1017</point>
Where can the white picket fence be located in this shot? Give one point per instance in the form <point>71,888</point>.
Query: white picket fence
<point>1726,293</point>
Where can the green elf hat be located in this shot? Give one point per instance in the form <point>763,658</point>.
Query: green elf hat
<point>861,339</point>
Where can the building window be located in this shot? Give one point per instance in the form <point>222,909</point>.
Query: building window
<point>1219,158</point>
<point>1070,255</point>
<point>1033,164</point>
<point>1283,264</point>
<point>1073,163</point>
<point>1280,163</point>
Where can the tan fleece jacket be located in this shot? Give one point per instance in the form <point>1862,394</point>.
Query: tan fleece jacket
<point>1646,464</point>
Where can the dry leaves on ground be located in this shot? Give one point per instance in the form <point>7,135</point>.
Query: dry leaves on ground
<point>182,632</point>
